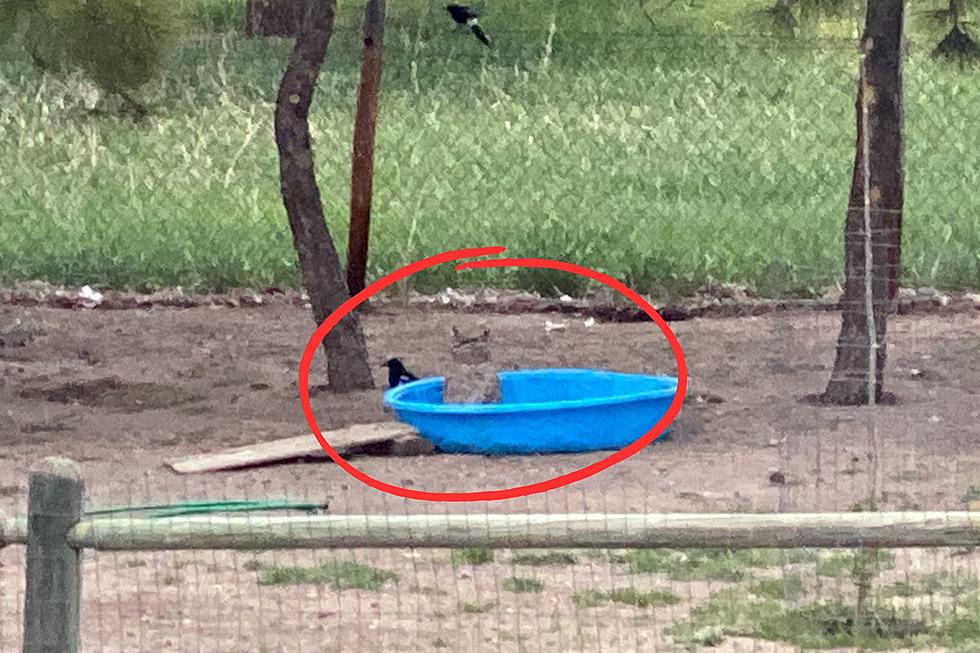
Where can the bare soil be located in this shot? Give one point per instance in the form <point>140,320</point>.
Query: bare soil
<point>122,391</point>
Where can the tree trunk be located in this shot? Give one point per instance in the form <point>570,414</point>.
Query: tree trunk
<point>880,86</point>
<point>362,156</point>
<point>282,18</point>
<point>347,358</point>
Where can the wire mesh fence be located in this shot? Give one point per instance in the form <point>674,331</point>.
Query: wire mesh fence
<point>668,159</point>
<point>560,601</point>
<point>480,595</point>
<point>734,135</point>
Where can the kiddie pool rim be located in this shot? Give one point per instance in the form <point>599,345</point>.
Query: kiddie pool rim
<point>392,397</point>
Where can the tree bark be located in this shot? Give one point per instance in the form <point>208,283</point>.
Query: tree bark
<point>880,86</point>
<point>282,18</point>
<point>347,357</point>
<point>362,156</point>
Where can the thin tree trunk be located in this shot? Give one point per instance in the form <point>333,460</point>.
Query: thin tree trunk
<point>362,156</point>
<point>347,357</point>
<point>880,86</point>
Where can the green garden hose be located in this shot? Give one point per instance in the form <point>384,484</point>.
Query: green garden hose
<point>159,511</point>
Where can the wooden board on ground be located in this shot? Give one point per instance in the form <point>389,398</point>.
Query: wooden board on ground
<point>382,439</point>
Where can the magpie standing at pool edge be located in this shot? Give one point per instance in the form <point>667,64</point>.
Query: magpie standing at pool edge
<point>466,16</point>
<point>397,374</point>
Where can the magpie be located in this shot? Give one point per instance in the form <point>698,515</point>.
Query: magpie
<point>466,17</point>
<point>397,374</point>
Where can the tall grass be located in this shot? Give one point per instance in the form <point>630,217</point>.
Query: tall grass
<point>665,156</point>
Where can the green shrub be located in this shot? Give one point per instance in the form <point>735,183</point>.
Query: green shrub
<point>515,584</point>
<point>473,555</point>
<point>338,575</point>
<point>120,45</point>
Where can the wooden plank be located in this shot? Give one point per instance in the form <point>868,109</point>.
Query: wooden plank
<point>529,531</point>
<point>387,438</point>
<point>52,595</point>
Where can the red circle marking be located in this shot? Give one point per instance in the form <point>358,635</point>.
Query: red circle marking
<point>507,493</point>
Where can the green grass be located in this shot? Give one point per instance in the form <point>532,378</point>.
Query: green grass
<point>522,585</point>
<point>588,598</point>
<point>477,608</point>
<point>902,588</point>
<point>972,494</point>
<point>943,582</point>
<point>606,556</point>
<point>546,559</point>
<point>666,157</point>
<point>471,556</point>
<point>710,564</point>
<point>625,596</point>
<point>811,626</point>
<point>787,588</point>
<point>340,576</point>
<point>962,632</point>
<point>838,565</point>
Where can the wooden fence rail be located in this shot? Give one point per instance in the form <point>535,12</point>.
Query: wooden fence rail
<point>520,531</point>
<point>55,531</point>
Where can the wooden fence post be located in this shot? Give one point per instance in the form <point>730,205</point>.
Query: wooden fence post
<point>54,583</point>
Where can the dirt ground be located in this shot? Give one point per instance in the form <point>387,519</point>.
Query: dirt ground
<point>122,391</point>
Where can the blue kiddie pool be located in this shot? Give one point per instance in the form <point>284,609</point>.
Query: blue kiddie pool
<point>541,411</point>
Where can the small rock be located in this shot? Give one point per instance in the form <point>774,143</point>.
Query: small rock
<point>777,478</point>
<point>319,389</point>
<point>488,295</point>
<point>15,338</point>
<point>88,357</point>
<point>90,297</point>
<point>727,291</point>
<point>926,375</point>
<point>833,294</point>
<point>707,398</point>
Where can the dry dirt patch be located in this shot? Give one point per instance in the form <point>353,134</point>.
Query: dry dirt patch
<point>113,394</point>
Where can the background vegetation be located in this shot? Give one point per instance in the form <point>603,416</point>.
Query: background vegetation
<point>702,147</point>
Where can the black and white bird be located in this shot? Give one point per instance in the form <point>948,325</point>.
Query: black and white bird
<point>467,17</point>
<point>397,374</point>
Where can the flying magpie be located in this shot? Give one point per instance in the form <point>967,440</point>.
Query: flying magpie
<point>397,374</point>
<point>466,16</point>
